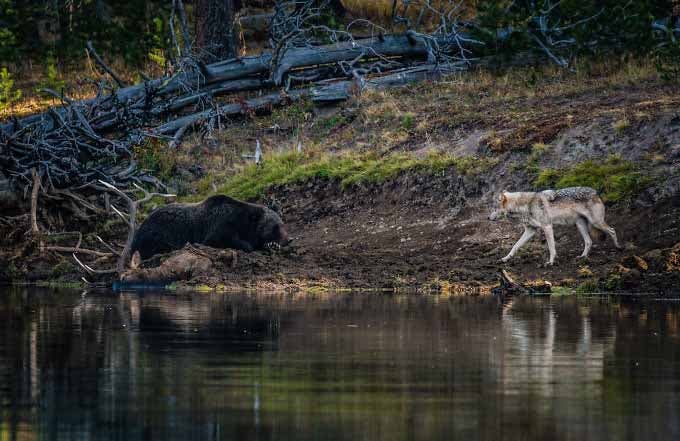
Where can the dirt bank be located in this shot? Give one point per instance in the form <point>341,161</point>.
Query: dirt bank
<point>434,234</point>
<point>428,228</point>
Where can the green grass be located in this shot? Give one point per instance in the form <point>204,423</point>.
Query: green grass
<point>538,150</point>
<point>621,126</point>
<point>614,178</point>
<point>60,269</point>
<point>613,282</point>
<point>152,155</point>
<point>60,284</point>
<point>349,169</point>
<point>408,121</point>
<point>588,287</point>
<point>333,122</point>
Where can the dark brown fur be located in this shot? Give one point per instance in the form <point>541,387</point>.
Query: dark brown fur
<point>218,222</point>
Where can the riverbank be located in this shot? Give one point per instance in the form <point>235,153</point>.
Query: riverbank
<point>393,189</point>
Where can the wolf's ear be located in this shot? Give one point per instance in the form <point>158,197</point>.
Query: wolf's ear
<point>136,260</point>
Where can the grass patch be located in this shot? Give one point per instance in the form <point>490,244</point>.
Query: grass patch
<point>349,169</point>
<point>62,268</point>
<point>205,184</point>
<point>588,287</point>
<point>621,125</point>
<point>613,282</point>
<point>614,179</point>
<point>408,121</point>
<point>60,284</point>
<point>561,291</point>
<point>153,155</point>
<point>293,115</point>
<point>538,150</point>
<point>335,121</point>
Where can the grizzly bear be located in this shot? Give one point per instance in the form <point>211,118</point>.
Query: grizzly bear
<point>218,222</point>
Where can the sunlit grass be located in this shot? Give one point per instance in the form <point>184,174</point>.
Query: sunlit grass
<point>78,83</point>
<point>615,179</point>
<point>348,169</point>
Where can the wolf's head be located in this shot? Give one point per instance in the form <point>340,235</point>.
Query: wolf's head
<point>501,209</point>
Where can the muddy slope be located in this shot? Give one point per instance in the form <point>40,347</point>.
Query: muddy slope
<point>432,232</point>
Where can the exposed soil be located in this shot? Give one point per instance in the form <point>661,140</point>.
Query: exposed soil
<point>432,232</point>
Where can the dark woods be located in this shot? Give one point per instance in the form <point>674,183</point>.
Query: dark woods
<point>138,30</point>
<point>131,30</point>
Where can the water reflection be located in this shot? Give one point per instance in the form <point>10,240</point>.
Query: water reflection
<point>337,366</point>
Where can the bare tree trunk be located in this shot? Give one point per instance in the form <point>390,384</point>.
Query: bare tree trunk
<point>215,35</point>
<point>34,203</point>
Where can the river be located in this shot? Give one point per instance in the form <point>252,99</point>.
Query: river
<point>335,366</point>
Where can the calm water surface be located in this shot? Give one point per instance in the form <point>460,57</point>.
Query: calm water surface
<point>161,366</point>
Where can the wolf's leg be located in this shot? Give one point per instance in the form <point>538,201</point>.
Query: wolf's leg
<point>550,238</point>
<point>595,215</point>
<point>602,226</point>
<point>582,226</point>
<point>529,232</point>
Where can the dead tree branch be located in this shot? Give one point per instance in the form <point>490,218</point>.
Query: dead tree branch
<point>34,202</point>
<point>133,206</point>
<point>103,65</point>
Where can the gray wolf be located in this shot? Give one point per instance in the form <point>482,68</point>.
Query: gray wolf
<point>580,206</point>
<point>218,221</point>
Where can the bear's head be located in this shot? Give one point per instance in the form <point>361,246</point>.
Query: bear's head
<point>270,230</point>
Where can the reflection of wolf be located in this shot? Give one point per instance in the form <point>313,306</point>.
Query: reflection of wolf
<point>580,206</point>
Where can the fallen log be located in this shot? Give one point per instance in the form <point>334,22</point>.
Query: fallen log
<point>211,91</point>
<point>325,93</point>
<point>192,83</point>
<point>378,47</point>
<point>508,286</point>
<point>227,110</point>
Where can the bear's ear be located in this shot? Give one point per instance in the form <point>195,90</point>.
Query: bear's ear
<point>275,207</point>
<point>136,260</point>
<point>273,204</point>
